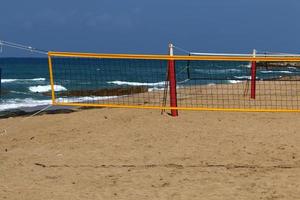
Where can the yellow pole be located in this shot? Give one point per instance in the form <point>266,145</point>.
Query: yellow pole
<point>51,79</point>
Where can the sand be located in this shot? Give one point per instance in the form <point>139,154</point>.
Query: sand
<point>140,154</point>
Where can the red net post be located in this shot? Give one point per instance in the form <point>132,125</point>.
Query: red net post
<point>172,80</point>
<point>253,77</point>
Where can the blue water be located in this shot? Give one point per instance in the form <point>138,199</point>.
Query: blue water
<point>24,80</point>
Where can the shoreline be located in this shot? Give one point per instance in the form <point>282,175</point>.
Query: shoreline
<point>194,93</point>
<point>229,95</point>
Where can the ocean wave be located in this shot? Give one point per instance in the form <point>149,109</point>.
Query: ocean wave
<point>8,80</point>
<point>282,72</point>
<point>35,79</point>
<point>18,92</point>
<point>234,81</point>
<point>46,88</point>
<point>155,89</point>
<point>242,77</point>
<point>85,99</point>
<point>162,83</point>
<point>217,71</point>
<point>21,80</point>
<point>245,65</point>
<point>29,102</point>
<point>22,103</point>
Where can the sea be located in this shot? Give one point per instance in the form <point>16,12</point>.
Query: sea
<point>25,80</point>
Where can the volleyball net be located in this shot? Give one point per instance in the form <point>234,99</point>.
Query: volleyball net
<point>235,82</point>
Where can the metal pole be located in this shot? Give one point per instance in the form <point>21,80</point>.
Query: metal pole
<point>172,80</point>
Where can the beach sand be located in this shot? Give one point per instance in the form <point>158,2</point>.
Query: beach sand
<point>140,154</point>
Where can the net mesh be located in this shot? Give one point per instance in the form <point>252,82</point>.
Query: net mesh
<point>200,84</point>
<point>109,81</point>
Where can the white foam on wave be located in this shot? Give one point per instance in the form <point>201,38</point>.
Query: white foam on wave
<point>29,102</point>
<point>245,65</point>
<point>46,88</point>
<point>85,99</point>
<point>8,80</point>
<point>18,92</point>
<point>282,72</point>
<point>21,80</point>
<point>158,86</point>
<point>234,81</point>
<point>243,77</point>
<point>35,79</point>
<point>155,89</point>
<point>162,89</point>
<point>22,103</point>
<point>162,83</point>
<point>217,71</point>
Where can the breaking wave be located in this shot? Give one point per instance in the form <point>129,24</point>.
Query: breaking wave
<point>22,103</point>
<point>234,81</point>
<point>162,83</point>
<point>21,80</point>
<point>85,99</point>
<point>243,77</point>
<point>29,102</point>
<point>217,71</point>
<point>282,72</point>
<point>46,88</point>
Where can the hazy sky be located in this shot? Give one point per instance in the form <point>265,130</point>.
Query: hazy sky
<point>139,26</point>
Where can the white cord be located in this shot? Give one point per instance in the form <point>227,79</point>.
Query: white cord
<point>181,49</point>
<point>261,53</point>
<point>22,47</point>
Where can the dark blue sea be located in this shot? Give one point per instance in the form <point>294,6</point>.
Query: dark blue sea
<point>25,80</point>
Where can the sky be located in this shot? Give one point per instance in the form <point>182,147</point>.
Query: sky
<point>146,27</point>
